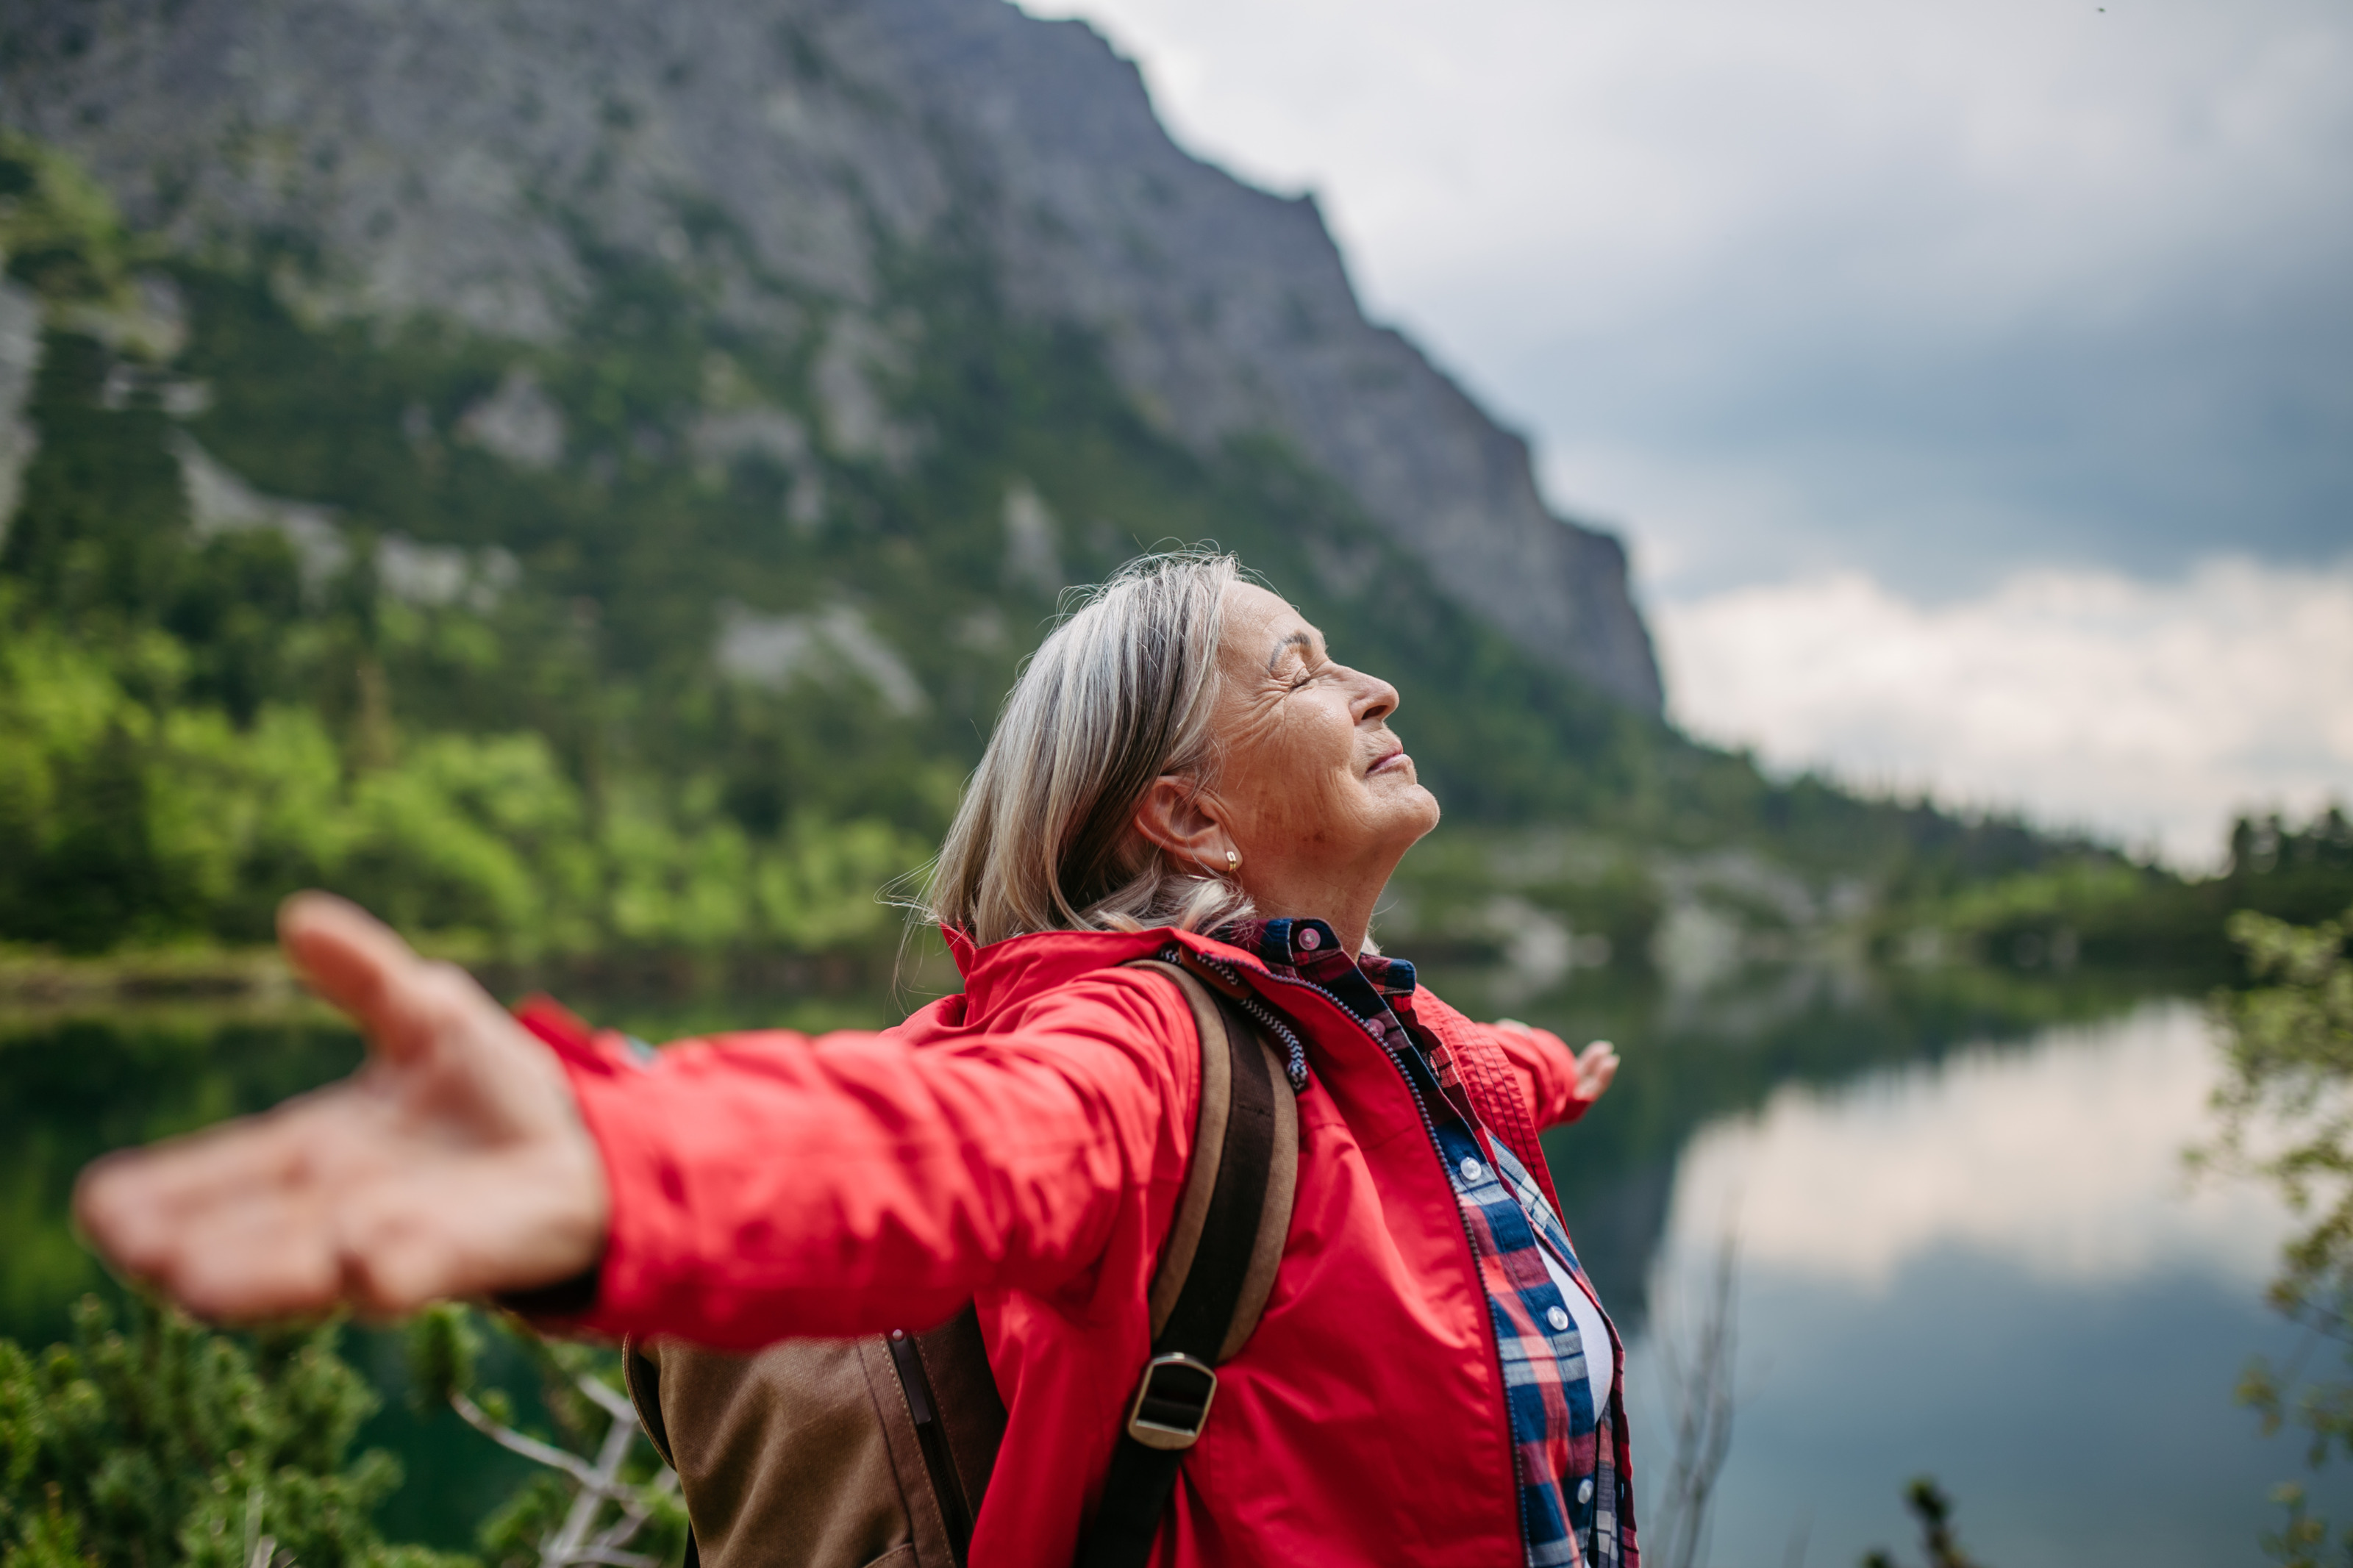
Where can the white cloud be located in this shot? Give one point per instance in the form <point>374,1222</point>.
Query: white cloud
<point>2147,712</point>
<point>2063,1159</point>
<point>1591,156</point>
<point>1691,119</point>
<point>1820,276</point>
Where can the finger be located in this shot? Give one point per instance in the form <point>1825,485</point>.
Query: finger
<point>269,1256</point>
<point>355,961</point>
<point>1596,1067</point>
<point>135,1205</point>
<point>132,1203</point>
<point>405,1004</point>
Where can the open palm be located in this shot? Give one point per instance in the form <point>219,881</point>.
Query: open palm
<point>452,1163</point>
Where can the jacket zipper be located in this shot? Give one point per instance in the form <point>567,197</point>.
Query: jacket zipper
<point>1470,1247</point>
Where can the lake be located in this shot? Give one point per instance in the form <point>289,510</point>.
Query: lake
<point>1990,1268</point>
<point>1965,1243</point>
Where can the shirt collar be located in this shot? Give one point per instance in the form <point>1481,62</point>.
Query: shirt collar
<point>1309,948</point>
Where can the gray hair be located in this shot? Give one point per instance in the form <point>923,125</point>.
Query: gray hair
<point>1120,694</point>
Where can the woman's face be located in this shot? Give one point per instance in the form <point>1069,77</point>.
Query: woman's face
<point>1309,783</point>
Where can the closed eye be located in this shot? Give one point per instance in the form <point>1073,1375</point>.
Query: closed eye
<point>1299,640</point>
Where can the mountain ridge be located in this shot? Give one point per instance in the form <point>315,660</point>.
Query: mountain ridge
<point>462,160</point>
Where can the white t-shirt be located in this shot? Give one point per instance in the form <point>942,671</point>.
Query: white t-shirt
<point>1591,1332</point>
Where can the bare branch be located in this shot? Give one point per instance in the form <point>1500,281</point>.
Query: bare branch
<point>613,1402</point>
<point>1702,1389</point>
<point>570,1541</point>
<point>531,1448</point>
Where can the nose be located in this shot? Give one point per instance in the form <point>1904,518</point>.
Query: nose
<point>1375,698</point>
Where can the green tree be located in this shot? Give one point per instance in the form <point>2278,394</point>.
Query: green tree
<point>158,1443</point>
<point>2286,1109</point>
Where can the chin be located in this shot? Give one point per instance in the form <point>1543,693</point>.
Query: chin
<point>1413,807</point>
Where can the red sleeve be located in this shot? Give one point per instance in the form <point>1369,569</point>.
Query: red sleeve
<point>1548,1070</point>
<point>769,1184</point>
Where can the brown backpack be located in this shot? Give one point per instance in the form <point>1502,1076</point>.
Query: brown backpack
<point>876,1451</point>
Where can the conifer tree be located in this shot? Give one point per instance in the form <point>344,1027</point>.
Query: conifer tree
<point>156,1442</point>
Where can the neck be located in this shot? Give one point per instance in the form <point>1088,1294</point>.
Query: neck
<point>1344,902</point>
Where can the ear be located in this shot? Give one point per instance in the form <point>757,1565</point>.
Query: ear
<point>1186,822</point>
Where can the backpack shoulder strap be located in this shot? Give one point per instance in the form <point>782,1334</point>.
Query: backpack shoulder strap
<point>1218,1270</point>
<point>1227,1036</point>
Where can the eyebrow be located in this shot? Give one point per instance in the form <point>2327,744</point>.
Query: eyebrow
<point>1296,639</point>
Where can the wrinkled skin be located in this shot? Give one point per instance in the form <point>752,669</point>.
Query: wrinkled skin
<point>454,1162</point>
<point>1310,787</point>
<point>1312,792</point>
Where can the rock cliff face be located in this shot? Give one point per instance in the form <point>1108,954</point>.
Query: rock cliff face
<point>478,159</point>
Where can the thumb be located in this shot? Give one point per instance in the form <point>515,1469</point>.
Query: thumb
<point>354,961</point>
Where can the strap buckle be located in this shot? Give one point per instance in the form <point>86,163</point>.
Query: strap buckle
<point>1171,1400</point>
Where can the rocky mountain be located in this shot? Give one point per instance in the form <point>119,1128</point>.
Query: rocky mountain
<point>803,166</point>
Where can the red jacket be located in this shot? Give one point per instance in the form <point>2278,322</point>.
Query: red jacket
<point>1024,1145</point>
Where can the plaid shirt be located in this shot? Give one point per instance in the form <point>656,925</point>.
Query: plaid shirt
<point>1568,1465</point>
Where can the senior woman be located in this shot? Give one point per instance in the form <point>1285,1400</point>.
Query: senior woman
<point>1182,763</point>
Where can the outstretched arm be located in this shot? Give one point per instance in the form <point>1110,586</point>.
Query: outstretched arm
<point>453,1163</point>
<point>734,1191</point>
<point>1557,1095</point>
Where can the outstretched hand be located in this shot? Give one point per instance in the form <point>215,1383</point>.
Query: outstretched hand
<point>1596,1067</point>
<point>453,1162</point>
<point>1597,1064</point>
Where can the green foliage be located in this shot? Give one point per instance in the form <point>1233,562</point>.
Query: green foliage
<point>161,1444</point>
<point>132,816</point>
<point>57,228</point>
<point>444,1346</point>
<point>2298,874</point>
<point>2087,909</point>
<point>1939,1543</point>
<point>2289,1084</point>
<point>2096,907</point>
<point>2286,1109</point>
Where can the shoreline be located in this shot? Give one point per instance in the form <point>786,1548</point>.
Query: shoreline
<point>259,979</point>
<point>160,974</point>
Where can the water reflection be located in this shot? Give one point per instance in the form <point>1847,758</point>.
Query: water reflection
<point>1693,1056</point>
<point>73,1086</point>
<point>2063,1160</point>
<point>1991,1268</point>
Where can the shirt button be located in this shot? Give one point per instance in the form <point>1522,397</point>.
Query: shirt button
<point>1559,1318</point>
<point>1311,939</point>
<point>1472,1169</point>
<point>1585,1491</point>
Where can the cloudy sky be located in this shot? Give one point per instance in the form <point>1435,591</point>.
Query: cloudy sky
<point>1973,383</point>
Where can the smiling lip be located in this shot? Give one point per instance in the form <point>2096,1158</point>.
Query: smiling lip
<point>1392,760</point>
